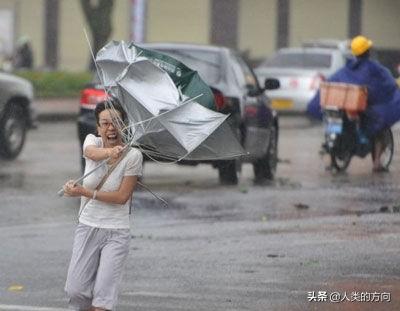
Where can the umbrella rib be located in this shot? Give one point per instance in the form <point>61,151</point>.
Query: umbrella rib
<point>130,131</point>
<point>61,192</point>
<point>134,125</point>
<point>94,60</point>
<point>163,113</point>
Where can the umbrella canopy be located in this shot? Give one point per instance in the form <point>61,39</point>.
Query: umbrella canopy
<point>114,58</point>
<point>167,104</point>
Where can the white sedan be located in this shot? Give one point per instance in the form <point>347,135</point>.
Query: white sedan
<point>299,71</point>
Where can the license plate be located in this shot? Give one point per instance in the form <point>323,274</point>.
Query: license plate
<point>333,128</point>
<point>282,104</point>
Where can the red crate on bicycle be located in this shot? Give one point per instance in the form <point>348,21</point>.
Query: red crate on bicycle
<point>349,97</point>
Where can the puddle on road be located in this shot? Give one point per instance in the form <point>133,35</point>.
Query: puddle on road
<point>300,211</point>
<point>286,183</point>
<point>154,203</point>
<point>383,209</point>
<point>279,182</point>
<point>15,180</point>
<point>347,194</point>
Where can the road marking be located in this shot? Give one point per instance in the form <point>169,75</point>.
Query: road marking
<point>29,308</point>
<point>159,294</point>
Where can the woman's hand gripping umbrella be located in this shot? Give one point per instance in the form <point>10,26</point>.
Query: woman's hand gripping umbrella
<point>167,106</point>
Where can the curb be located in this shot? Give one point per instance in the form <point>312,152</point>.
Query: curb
<point>57,117</point>
<point>56,109</point>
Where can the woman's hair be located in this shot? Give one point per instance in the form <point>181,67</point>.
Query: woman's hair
<point>111,103</point>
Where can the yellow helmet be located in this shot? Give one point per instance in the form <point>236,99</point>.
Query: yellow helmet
<point>359,45</point>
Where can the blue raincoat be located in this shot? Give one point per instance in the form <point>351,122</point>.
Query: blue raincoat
<point>383,93</point>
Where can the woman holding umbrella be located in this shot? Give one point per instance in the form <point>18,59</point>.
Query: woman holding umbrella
<point>102,237</point>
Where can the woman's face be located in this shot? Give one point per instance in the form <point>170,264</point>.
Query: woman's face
<point>109,133</point>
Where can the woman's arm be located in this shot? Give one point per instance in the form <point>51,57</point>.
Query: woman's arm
<point>121,196</point>
<point>98,153</point>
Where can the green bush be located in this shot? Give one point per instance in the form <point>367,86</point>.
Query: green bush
<point>56,83</point>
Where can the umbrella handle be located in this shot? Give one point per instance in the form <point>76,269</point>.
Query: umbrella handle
<point>60,193</point>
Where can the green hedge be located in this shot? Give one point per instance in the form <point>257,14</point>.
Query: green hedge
<point>56,83</point>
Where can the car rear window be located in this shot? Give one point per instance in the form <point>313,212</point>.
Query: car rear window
<point>299,60</point>
<point>206,63</point>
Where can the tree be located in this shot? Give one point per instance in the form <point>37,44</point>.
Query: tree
<point>52,12</point>
<point>98,17</point>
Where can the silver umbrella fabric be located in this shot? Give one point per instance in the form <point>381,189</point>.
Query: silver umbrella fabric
<point>161,117</point>
<point>185,79</point>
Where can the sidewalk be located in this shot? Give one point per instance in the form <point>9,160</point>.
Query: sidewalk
<point>57,109</point>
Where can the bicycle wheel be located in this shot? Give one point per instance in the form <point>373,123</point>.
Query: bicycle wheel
<point>341,161</point>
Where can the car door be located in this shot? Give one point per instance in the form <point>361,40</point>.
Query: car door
<point>256,115</point>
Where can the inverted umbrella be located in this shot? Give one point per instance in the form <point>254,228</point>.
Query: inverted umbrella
<point>168,110</point>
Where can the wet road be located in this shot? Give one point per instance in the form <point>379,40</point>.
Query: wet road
<point>213,248</point>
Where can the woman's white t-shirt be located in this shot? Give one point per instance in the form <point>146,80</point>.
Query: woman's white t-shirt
<point>108,215</point>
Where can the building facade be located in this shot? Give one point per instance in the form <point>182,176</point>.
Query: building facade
<point>257,27</point>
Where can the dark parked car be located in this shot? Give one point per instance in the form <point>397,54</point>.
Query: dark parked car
<point>16,114</point>
<point>236,92</point>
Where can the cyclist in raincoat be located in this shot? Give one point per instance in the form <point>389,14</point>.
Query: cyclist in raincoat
<point>383,93</point>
